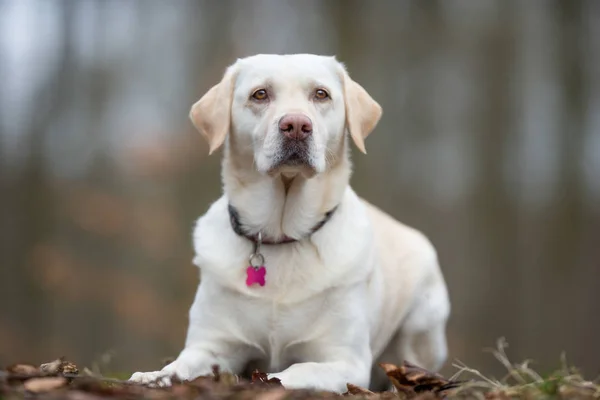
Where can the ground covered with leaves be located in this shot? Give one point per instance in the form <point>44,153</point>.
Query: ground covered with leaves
<point>62,379</point>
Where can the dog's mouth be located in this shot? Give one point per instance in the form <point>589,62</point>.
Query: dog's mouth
<point>294,156</point>
<point>294,153</point>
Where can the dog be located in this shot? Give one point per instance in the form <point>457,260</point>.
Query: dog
<point>300,277</point>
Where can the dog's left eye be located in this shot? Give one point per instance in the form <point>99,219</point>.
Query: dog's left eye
<point>260,95</point>
<point>321,94</point>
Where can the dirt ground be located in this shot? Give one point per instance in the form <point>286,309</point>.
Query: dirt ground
<point>62,379</point>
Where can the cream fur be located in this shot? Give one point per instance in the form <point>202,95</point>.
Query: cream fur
<point>364,288</point>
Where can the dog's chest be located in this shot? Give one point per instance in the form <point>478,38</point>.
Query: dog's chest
<point>290,273</point>
<point>280,331</point>
<point>284,332</point>
<point>293,272</point>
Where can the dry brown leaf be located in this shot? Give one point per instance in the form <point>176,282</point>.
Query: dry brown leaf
<point>357,390</point>
<point>69,368</point>
<point>52,367</point>
<point>40,385</point>
<point>261,377</point>
<point>411,379</point>
<point>59,366</point>
<point>23,369</point>
<point>216,371</point>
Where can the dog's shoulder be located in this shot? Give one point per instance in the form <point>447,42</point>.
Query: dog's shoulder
<point>214,220</point>
<point>398,241</point>
<point>408,258</point>
<point>396,230</point>
<point>213,237</point>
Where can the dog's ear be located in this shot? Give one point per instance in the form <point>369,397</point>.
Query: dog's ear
<point>211,115</point>
<point>362,112</point>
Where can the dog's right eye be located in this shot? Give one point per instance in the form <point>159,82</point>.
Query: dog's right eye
<point>260,95</point>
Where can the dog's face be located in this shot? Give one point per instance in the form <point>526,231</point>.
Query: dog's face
<point>290,109</point>
<point>290,112</point>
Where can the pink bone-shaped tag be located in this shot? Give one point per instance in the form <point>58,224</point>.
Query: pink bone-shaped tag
<point>255,275</point>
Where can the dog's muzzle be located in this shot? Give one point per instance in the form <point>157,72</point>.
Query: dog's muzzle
<point>296,133</point>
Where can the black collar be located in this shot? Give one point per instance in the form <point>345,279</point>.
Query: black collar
<point>234,217</point>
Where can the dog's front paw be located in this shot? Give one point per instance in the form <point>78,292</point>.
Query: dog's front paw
<point>289,382</point>
<point>156,378</point>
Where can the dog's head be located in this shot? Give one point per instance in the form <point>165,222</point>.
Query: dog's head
<point>290,112</point>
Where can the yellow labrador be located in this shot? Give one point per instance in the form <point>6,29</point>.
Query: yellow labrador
<point>299,276</point>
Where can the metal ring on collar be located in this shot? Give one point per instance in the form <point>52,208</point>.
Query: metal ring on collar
<point>256,256</point>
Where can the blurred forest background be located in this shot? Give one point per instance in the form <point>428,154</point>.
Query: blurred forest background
<point>489,143</point>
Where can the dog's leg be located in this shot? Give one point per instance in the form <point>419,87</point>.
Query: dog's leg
<point>192,363</point>
<point>331,376</point>
<point>427,349</point>
<point>209,342</point>
<point>335,346</point>
<point>379,380</point>
<point>421,339</point>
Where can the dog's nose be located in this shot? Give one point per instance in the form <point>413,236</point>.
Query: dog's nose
<point>295,126</point>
